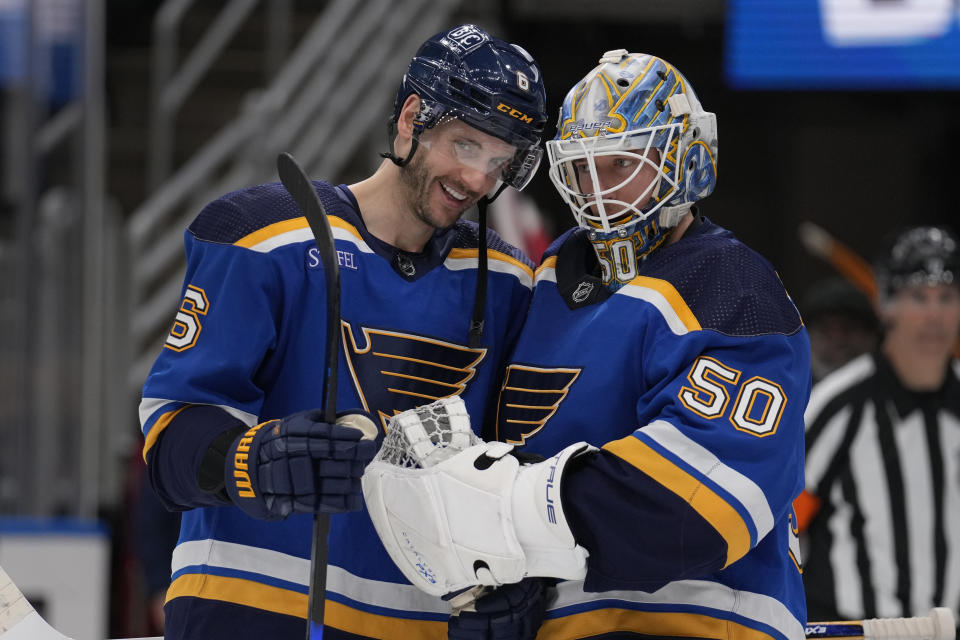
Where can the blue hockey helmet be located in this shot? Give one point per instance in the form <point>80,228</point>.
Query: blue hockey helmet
<point>492,85</point>
<point>641,109</point>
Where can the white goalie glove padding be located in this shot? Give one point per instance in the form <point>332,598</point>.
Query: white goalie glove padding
<point>479,517</point>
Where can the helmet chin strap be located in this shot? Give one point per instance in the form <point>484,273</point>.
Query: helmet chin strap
<point>397,160</point>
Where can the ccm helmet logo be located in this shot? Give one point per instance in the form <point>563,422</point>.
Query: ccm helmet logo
<point>514,113</point>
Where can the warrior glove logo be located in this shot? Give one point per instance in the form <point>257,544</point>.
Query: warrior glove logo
<point>241,473</point>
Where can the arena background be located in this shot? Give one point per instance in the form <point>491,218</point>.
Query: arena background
<point>120,118</point>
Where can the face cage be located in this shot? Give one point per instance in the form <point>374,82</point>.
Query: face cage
<point>526,160</point>
<point>564,154</point>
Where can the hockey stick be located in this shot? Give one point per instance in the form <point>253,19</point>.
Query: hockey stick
<point>301,189</point>
<point>19,620</point>
<point>819,242</point>
<point>937,625</point>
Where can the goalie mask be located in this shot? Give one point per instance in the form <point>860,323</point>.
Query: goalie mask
<point>490,84</point>
<point>633,151</point>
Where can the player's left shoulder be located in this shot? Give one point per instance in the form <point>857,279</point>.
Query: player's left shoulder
<point>729,287</point>
<point>502,257</point>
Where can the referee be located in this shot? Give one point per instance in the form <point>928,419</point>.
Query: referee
<point>881,508</point>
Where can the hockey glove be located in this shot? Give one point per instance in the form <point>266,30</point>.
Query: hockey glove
<point>300,464</point>
<point>479,517</point>
<point>511,612</point>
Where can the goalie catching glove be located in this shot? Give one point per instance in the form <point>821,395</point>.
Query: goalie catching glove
<point>300,464</point>
<point>477,517</point>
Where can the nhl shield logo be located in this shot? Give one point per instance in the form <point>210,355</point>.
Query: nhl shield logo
<point>583,291</point>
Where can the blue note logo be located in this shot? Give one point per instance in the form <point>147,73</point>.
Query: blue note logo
<point>394,371</point>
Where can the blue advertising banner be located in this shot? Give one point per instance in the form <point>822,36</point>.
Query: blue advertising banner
<point>843,44</point>
<point>13,39</point>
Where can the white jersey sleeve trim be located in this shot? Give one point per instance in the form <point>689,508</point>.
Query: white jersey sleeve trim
<point>150,406</point>
<point>742,488</point>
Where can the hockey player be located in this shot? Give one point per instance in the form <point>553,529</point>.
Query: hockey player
<point>662,372</point>
<point>232,434</point>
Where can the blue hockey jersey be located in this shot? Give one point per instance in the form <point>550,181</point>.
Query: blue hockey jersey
<point>247,345</point>
<point>692,380</point>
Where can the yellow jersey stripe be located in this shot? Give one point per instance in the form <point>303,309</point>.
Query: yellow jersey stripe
<point>293,603</point>
<point>293,224</point>
<point>492,254</point>
<point>714,509</point>
<point>239,591</point>
<point>649,623</point>
<point>549,263</point>
<point>672,297</point>
<point>272,230</point>
<point>371,625</point>
<point>162,423</point>
<point>340,223</point>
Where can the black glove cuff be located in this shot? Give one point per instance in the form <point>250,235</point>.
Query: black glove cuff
<point>210,474</point>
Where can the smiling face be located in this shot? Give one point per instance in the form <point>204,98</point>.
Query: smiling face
<point>453,167</point>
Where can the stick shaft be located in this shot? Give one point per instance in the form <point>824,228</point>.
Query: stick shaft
<point>301,189</point>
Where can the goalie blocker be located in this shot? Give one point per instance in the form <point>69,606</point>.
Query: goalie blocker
<point>478,517</point>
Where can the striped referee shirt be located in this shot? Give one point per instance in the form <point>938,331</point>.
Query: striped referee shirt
<point>884,464</point>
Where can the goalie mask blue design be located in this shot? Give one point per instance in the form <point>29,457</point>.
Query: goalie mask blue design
<point>633,151</point>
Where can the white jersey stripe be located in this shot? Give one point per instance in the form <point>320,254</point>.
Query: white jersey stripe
<point>950,445</point>
<point>823,451</point>
<point>732,481</point>
<point>405,597</point>
<point>661,303</point>
<point>911,439</point>
<point>306,235</point>
<point>149,406</point>
<point>281,566</point>
<point>869,475</point>
<point>834,384</point>
<point>843,555</point>
<point>240,557</point>
<point>499,266</point>
<point>548,274</point>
